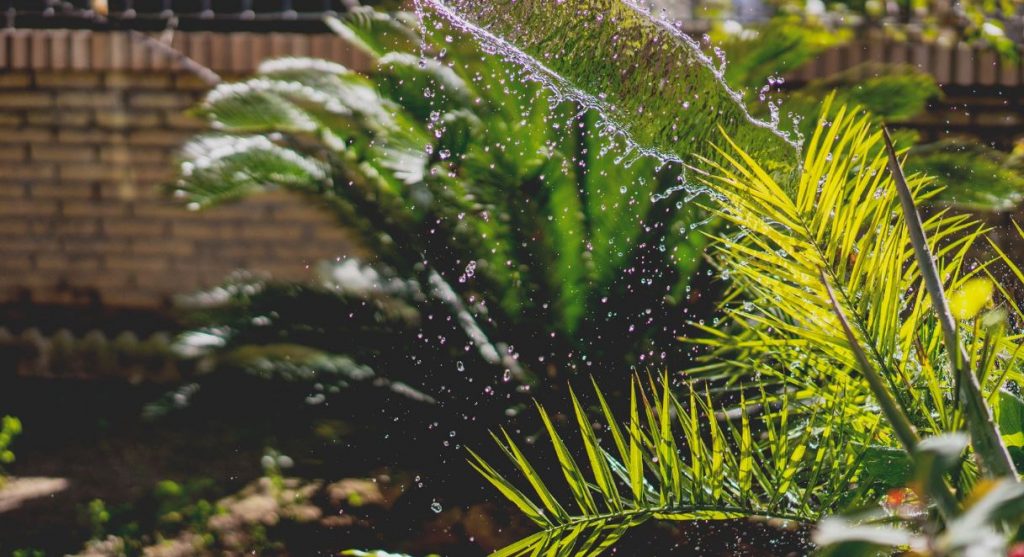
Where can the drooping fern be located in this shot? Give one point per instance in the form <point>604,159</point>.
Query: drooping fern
<point>506,212</point>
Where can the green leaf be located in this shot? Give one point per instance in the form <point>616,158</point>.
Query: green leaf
<point>616,58</point>
<point>1010,413</point>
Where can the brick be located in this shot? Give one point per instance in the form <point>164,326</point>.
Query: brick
<point>29,172</point>
<point>158,138</point>
<point>89,99</point>
<point>136,263</point>
<point>163,99</point>
<point>13,153</point>
<point>40,53</point>
<point>75,228</point>
<point>11,192</point>
<point>277,232</point>
<point>94,136</point>
<point>132,299</point>
<point>80,49</point>
<point>80,208</point>
<point>59,43</point>
<point>88,172</point>
<point>137,81</point>
<point>29,135</point>
<point>62,153</point>
<point>33,243</point>
<point>184,121</point>
<point>139,57</point>
<point>13,227</point>
<point>174,283</point>
<point>121,119</point>
<point>202,230</point>
<point>100,51</point>
<point>67,80</point>
<point>152,174</point>
<point>27,208</point>
<point>119,45</point>
<point>125,191</point>
<point>173,247</point>
<point>15,263</point>
<point>62,262</point>
<point>10,119</point>
<point>15,80</point>
<point>78,119</point>
<point>133,154</point>
<point>95,245</point>
<point>167,210</point>
<point>132,228</point>
<point>44,190</point>
<point>20,49</point>
<point>26,99</point>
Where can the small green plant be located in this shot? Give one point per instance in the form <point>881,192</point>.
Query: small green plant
<point>10,427</point>
<point>98,518</point>
<point>183,507</point>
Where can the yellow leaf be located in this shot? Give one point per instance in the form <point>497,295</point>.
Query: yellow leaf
<point>970,298</point>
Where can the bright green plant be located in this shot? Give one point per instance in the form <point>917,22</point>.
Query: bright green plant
<point>10,427</point>
<point>98,517</point>
<point>836,303</point>
<point>182,506</point>
<point>674,460</point>
<point>796,354</point>
<point>507,238</point>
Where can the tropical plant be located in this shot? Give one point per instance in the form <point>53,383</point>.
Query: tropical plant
<point>675,459</point>
<point>507,240</point>
<point>835,303</point>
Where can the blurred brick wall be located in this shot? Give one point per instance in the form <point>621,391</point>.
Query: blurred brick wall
<point>88,134</point>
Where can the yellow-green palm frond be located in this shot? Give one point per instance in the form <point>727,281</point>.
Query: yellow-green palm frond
<point>840,219</point>
<point>676,458</point>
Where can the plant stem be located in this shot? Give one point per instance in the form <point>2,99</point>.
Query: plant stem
<point>988,443</point>
<point>905,432</point>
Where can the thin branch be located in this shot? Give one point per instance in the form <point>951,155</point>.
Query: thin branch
<point>187,63</point>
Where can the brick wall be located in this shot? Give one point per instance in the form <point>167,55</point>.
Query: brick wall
<point>90,123</point>
<point>84,150</point>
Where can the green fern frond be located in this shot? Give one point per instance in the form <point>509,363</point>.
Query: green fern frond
<point>676,459</point>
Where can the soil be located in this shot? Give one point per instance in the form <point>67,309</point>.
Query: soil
<point>375,470</point>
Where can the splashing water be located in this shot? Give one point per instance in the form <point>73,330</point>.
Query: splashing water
<point>651,84</point>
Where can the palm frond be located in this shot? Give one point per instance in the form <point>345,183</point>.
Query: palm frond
<point>675,459</point>
<point>865,250</point>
